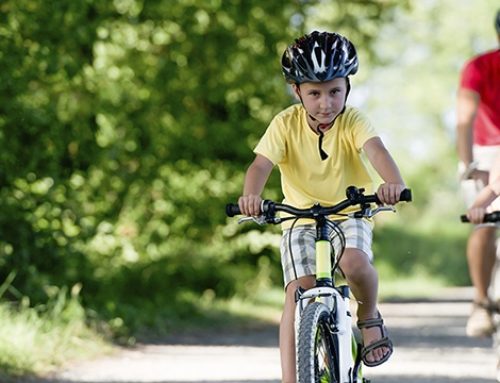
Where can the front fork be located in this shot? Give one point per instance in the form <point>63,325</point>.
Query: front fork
<point>337,301</point>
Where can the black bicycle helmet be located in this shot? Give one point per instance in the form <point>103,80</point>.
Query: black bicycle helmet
<point>497,22</point>
<point>319,57</point>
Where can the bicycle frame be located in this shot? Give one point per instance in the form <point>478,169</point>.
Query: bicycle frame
<point>337,301</point>
<point>333,311</point>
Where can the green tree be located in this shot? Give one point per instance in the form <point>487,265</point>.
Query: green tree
<point>126,126</point>
<point>122,124</point>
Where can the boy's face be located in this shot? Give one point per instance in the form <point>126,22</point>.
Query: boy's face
<point>325,100</point>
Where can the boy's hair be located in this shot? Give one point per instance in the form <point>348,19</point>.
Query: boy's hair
<point>319,57</point>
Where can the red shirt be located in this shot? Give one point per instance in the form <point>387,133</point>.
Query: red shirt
<point>482,75</point>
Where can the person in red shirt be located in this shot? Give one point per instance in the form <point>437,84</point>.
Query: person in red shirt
<point>478,143</point>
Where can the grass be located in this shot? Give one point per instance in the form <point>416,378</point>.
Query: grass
<point>266,306</point>
<point>416,286</point>
<point>36,341</point>
<point>210,313</point>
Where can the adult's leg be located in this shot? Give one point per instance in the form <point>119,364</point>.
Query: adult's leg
<point>481,258</point>
<point>481,254</point>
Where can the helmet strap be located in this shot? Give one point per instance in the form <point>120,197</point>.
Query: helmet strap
<point>322,153</point>
<point>348,85</point>
<point>319,128</point>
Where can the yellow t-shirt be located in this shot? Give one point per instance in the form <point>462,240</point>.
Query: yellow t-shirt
<point>306,179</point>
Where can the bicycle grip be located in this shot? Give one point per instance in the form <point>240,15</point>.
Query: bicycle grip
<point>232,209</point>
<point>489,217</point>
<point>406,195</point>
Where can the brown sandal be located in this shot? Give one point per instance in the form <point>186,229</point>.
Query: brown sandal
<point>382,342</point>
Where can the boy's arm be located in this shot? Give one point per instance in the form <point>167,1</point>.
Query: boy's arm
<point>385,166</point>
<point>256,177</point>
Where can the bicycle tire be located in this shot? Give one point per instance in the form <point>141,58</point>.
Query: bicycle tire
<point>317,356</point>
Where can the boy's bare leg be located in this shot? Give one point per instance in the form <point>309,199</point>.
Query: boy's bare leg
<point>363,282</point>
<point>287,329</point>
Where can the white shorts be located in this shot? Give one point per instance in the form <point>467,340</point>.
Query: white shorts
<point>357,232</point>
<point>484,156</point>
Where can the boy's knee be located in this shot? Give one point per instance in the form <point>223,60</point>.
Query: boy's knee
<point>355,262</point>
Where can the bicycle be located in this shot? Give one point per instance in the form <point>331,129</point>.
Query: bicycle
<point>494,290</point>
<point>326,347</point>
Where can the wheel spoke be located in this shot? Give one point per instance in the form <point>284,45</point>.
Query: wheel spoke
<point>322,356</point>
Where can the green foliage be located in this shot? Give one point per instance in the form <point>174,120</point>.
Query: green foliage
<point>126,127</point>
<point>436,253</point>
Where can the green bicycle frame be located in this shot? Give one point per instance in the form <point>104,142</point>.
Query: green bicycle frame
<point>323,254</point>
<point>323,260</point>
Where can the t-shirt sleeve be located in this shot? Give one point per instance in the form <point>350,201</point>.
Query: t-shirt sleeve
<point>272,145</point>
<point>471,77</point>
<point>362,130</point>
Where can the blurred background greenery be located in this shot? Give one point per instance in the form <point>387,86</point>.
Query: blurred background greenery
<point>127,125</point>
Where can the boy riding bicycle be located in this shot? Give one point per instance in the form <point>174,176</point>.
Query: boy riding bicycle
<point>318,145</point>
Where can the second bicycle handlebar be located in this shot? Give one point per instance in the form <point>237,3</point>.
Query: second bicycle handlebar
<point>490,217</point>
<point>354,195</point>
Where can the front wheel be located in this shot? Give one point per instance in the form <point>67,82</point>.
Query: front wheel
<point>317,355</point>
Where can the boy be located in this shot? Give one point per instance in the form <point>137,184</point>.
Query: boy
<point>317,146</point>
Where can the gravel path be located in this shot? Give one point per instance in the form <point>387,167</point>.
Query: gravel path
<point>429,338</point>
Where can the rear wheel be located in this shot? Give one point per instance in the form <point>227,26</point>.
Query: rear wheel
<point>317,346</point>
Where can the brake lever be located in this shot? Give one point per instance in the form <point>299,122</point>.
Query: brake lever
<point>371,212</point>
<point>259,220</point>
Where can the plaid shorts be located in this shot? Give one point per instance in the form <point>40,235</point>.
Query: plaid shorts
<point>357,232</point>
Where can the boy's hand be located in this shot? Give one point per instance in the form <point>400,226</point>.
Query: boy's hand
<point>250,204</point>
<point>476,214</point>
<point>389,193</point>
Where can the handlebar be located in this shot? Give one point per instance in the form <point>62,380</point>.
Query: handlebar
<point>489,217</point>
<point>354,196</point>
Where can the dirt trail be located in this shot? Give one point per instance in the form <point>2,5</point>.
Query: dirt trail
<point>429,338</point>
